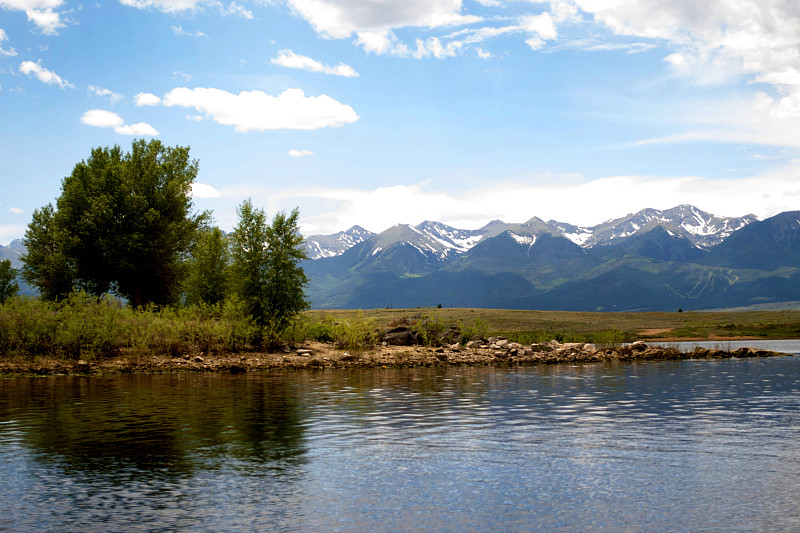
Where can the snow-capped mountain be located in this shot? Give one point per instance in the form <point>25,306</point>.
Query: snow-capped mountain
<point>702,229</point>
<point>13,252</point>
<point>319,246</point>
<point>433,240</point>
<point>440,241</point>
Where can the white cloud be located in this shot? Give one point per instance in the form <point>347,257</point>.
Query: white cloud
<point>256,110</point>
<point>16,211</point>
<point>3,52</point>
<point>582,203</point>
<point>101,118</point>
<point>287,58</point>
<point>177,74</point>
<point>140,128</point>
<point>47,20</point>
<point>716,40</point>
<point>40,12</point>
<point>483,54</point>
<point>179,31</point>
<point>9,232</point>
<point>300,153</point>
<point>377,41</point>
<point>542,25</point>
<point>339,19</point>
<point>42,74</point>
<point>179,6</point>
<point>146,99</point>
<point>112,96</point>
<point>203,190</point>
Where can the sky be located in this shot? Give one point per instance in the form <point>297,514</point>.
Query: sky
<point>378,112</point>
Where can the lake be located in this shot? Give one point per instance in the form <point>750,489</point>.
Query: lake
<point>662,446</point>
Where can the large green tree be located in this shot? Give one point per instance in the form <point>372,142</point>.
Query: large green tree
<point>123,224</point>
<point>8,281</point>
<point>265,270</point>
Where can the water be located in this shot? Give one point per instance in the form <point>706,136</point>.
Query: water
<point>778,345</point>
<point>668,446</point>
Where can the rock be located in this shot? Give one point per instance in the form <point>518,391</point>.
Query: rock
<point>455,347</point>
<point>501,344</point>
<point>541,347</point>
<point>398,336</point>
<point>472,344</point>
<point>305,351</point>
<point>638,346</point>
<point>199,359</point>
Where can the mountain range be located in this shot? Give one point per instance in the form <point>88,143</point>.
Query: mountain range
<point>649,260</point>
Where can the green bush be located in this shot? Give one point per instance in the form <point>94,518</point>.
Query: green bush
<point>429,329</point>
<point>357,333</point>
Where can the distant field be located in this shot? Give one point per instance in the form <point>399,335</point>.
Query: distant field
<point>535,326</point>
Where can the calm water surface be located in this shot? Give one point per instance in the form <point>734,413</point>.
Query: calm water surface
<point>672,446</point>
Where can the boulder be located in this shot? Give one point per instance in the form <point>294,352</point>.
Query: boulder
<point>399,336</point>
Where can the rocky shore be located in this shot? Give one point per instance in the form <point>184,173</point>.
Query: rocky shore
<point>492,351</point>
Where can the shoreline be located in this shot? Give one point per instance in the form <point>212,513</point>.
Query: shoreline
<point>496,352</point>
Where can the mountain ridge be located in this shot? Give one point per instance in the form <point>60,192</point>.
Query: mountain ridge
<point>648,260</point>
<point>699,227</point>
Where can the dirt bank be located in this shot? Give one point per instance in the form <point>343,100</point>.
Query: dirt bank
<point>319,355</point>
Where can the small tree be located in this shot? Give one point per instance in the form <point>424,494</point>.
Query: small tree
<point>249,259</point>
<point>8,282</point>
<point>207,270</point>
<point>286,280</point>
<point>265,270</point>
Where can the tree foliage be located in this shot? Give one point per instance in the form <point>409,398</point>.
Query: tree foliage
<point>286,280</point>
<point>265,269</point>
<point>45,265</point>
<point>123,224</point>
<point>207,270</point>
<point>8,282</point>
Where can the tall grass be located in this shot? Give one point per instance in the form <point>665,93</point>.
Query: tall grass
<point>86,327</point>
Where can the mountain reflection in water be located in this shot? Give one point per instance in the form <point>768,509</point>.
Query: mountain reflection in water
<point>656,446</point>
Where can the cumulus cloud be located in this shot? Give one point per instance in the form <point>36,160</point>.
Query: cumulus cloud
<point>112,96</point>
<point>203,190</point>
<point>101,118</point>
<point>43,75</point>
<point>146,99</point>
<point>3,52</point>
<point>16,211</point>
<point>300,153</point>
<point>339,19</point>
<point>179,6</point>
<point>259,111</point>
<point>716,41</point>
<point>41,12</point>
<point>287,58</point>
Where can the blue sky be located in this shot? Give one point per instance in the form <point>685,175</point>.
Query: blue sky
<point>377,112</point>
